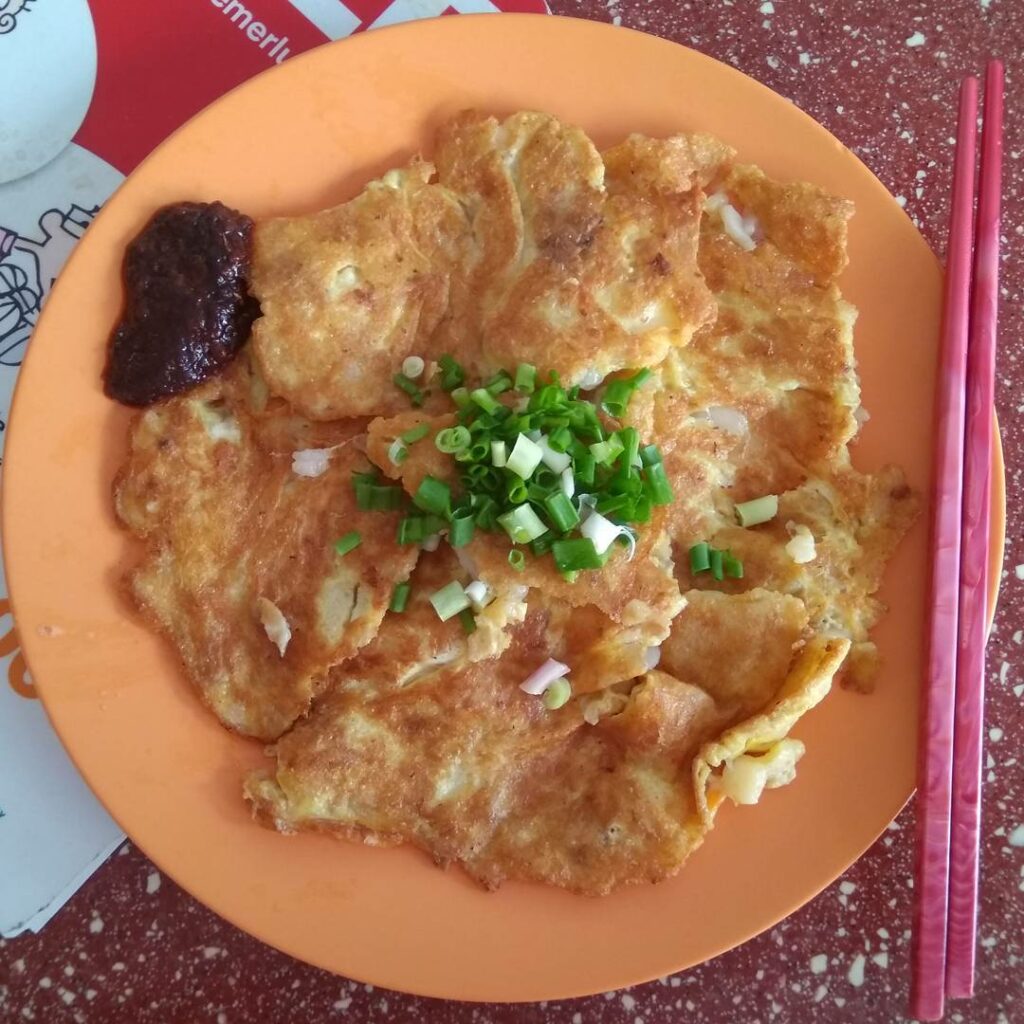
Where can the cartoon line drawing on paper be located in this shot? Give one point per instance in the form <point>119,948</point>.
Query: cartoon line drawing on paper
<point>9,11</point>
<point>28,268</point>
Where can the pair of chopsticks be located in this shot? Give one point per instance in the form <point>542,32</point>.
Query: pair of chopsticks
<point>949,752</point>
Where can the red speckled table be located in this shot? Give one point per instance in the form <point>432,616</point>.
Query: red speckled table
<point>131,946</point>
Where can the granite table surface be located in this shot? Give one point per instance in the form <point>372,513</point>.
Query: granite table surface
<point>132,946</point>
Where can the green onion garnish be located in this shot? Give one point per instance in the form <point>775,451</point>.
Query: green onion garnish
<point>433,495</point>
<point>557,694</point>
<point>400,597</point>
<point>517,560</point>
<point>659,490</point>
<point>700,557</point>
<point>525,457</point>
<point>579,553</point>
<point>499,383</point>
<point>561,511</point>
<point>409,387</point>
<point>522,524</point>
<point>398,452</point>
<point>379,497</point>
<point>757,511</point>
<point>414,434</point>
<point>349,542</point>
<point>526,378</point>
<point>717,559</point>
<point>468,621</point>
<point>618,393</point>
<point>460,396</point>
<point>449,600</point>
<point>732,565</point>
<point>462,527</point>
<point>452,375</point>
<point>606,452</point>
<point>452,440</point>
<point>486,401</point>
<point>499,454</point>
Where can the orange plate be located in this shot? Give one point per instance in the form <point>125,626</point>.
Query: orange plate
<point>305,136</point>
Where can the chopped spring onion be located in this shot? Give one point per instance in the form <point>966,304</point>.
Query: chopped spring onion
<point>460,396</point>
<point>517,560</point>
<point>486,401</point>
<point>409,387</point>
<point>537,682</point>
<point>659,490</point>
<point>452,440</point>
<point>431,543</point>
<point>416,529</point>
<point>602,532</point>
<point>479,594</point>
<point>560,439</point>
<point>606,452</point>
<point>578,553</point>
<point>449,600</point>
<point>467,621</point>
<point>561,511</point>
<point>349,542</point>
<point>525,457</point>
<point>414,434</point>
<point>433,495</point>
<point>717,563</point>
<point>585,465</point>
<point>732,565</point>
<point>557,694</point>
<point>522,524</point>
<point>526,378</point>
<point>700,557</point>
<point>555,461</point>
<point>398,452</point>
<point>452,375</point>
<point>568,483</point>
<point>379,497</point>
<point>499,383</point>
<point>759,510</point>
<point>413,367</point>
<point>463,525</point>
<point>499,454</point>
<point>400,597</point>
<point>619,392</point>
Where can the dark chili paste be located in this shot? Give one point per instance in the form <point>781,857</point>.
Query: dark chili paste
<point>187,311</point>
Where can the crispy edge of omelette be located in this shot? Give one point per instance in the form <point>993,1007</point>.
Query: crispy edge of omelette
<point>758,753</point>
<point>238,569</point>
<point>349,292</point>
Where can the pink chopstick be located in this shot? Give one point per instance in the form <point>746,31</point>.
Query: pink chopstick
<point>935,746</point>
<point>970,665</point>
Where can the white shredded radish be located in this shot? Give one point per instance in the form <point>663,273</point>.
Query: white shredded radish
<point>715,202</point>
<point>591,379</point>
<point>651,657</point>
<point>311,461</point>
<point>861,415</point>
<point>732,221</point>
<point>568,482</point>
<point>413,367</point>
<point>801,547</point>
<point>274,624</point>
<point>750,225</point>
<point>603,533</point>
<point>479,594</point>
<point>540,680</point>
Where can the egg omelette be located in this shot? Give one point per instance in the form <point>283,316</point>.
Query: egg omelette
<point>303,621</point>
